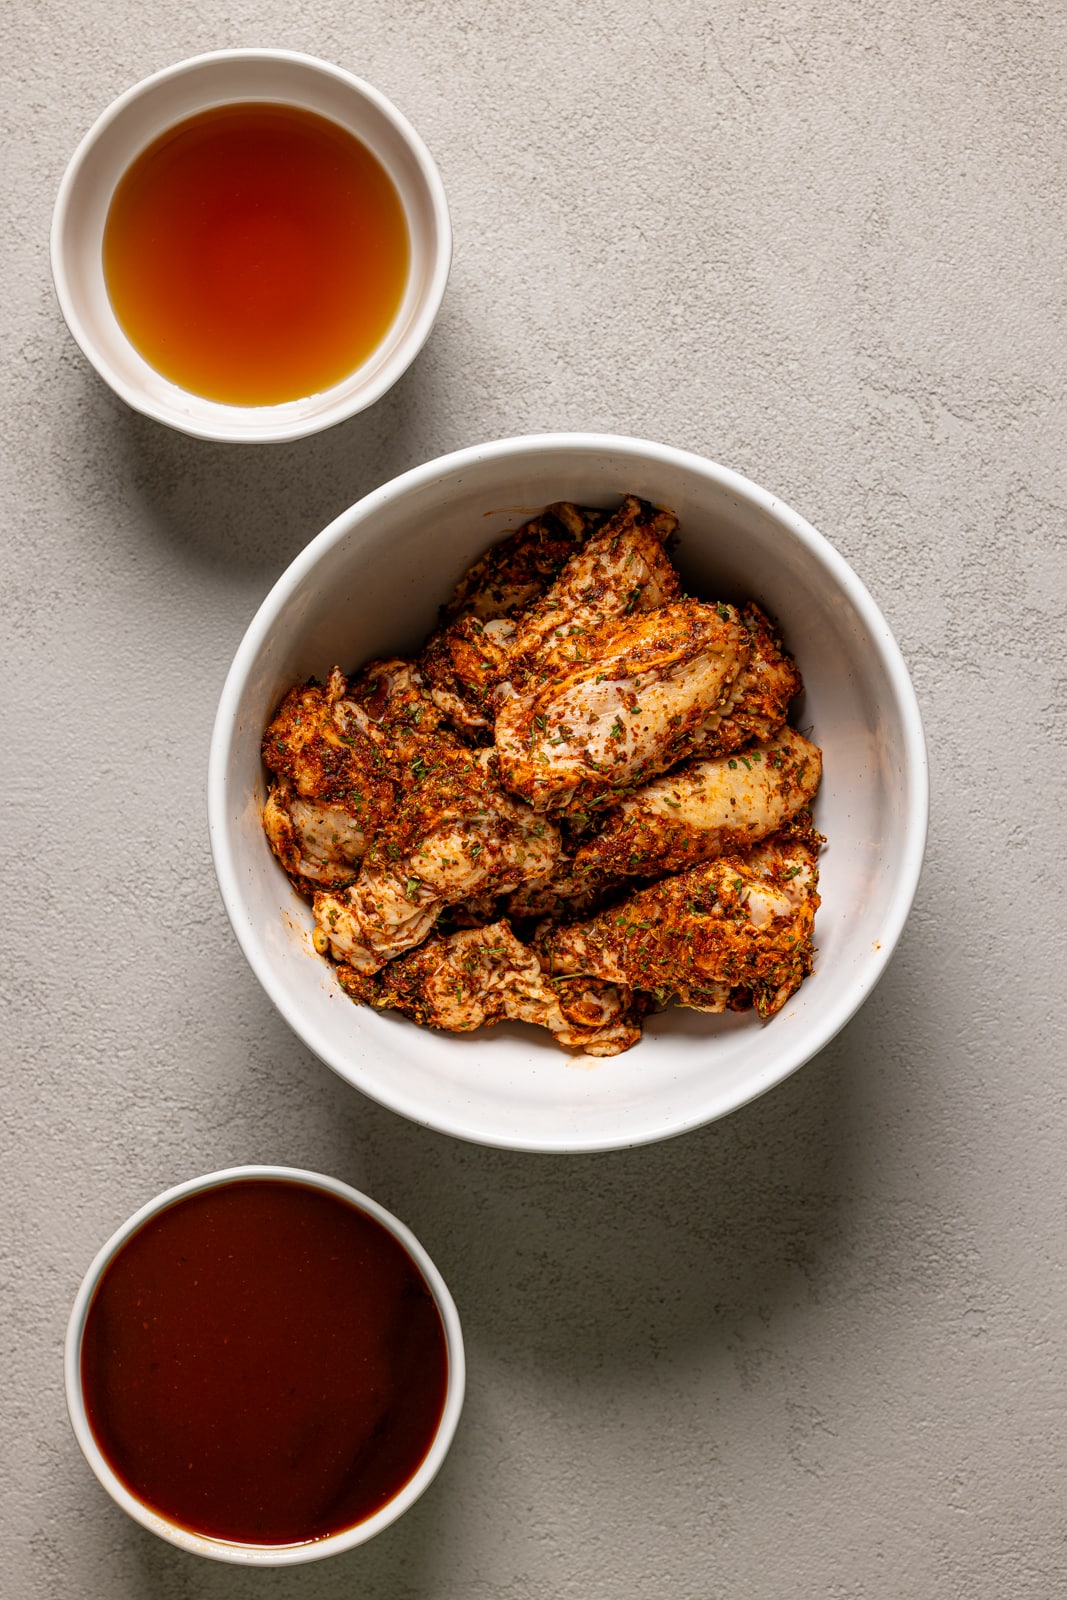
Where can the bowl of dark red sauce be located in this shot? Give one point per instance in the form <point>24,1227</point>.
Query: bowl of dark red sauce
<point>264,1366</point>
<point>251,245</point>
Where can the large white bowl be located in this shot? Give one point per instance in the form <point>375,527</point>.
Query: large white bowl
<point>370,585</point>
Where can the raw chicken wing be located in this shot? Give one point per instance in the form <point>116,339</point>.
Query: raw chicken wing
<point>733,931</point>
<point>468,657</point>
<point>456,836</point>
<point>764,688</point>
<point>623,569</point>
<point>655,687</point>
<point>318,843</point>
<point>480,976</point>
<point>336,782</point>
<point>704,809</point>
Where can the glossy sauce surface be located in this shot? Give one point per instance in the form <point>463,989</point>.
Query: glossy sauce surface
<point>264,1363</point>
<point>256,253</point>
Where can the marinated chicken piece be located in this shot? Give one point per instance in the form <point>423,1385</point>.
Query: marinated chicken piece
<point>764,688</point>
<point>314,842</point>
<point>655,687</point>
<point>480,976</point>
<point>466,659</point>
<point>624,569</point>
<point>703,809</point>
<point>561,894</point>
<point>464,665</point>
<point>733,931</point>
<point>328,753</point>
<point>518,570</point>
<point>395,695</point>
<point>457,835</point>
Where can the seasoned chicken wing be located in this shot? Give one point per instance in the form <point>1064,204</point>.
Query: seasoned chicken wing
<point>336,783</point>
<point>764,688</point>
<point>395,695</point>
<point>328,748</point>
<point>518,570</point>
<point>622,570</point>
<point>703,809</point>
<point>732,931</point>
<point>480,976</point>
<point>656,686</point>
<point>455,837</point>
<point>314,842</point>
<point>468,657</point>
<point>464,664</point>
<point>492,641</point>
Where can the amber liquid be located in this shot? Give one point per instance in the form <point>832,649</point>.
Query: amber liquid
<point>256,254</point>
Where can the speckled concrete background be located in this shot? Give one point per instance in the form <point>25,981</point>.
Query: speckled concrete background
<point>817,1350</point>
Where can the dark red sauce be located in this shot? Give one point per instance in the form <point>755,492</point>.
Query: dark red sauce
<point>264,1363</point>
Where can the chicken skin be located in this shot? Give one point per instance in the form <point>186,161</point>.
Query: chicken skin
<point>335,782</point>
<point>703,809</point>
<point>467,658</point>
<point>480,976</point>
<point>622,570</point>
<point>656,686</point>
<point>764,688</point>
<point>316,844</point>
<point>734,931</point>
<point>517,571</point>
<point>455,837</point>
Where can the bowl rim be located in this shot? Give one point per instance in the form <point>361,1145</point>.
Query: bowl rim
<point>914,827</point>
<point>272,429</point>
<point>232,1551</point>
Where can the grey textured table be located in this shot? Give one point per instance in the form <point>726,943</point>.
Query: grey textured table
<point>816,1350</point>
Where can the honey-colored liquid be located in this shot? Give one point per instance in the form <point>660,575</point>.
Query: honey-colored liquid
<point>256,253</point>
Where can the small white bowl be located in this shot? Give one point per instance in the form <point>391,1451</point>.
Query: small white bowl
<point>144,112</point>
<point>370,585</point>
<point>222,1549</point>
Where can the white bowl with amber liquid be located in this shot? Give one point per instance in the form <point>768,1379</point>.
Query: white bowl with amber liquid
<point>370,585</point>
<point>292,263</point>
